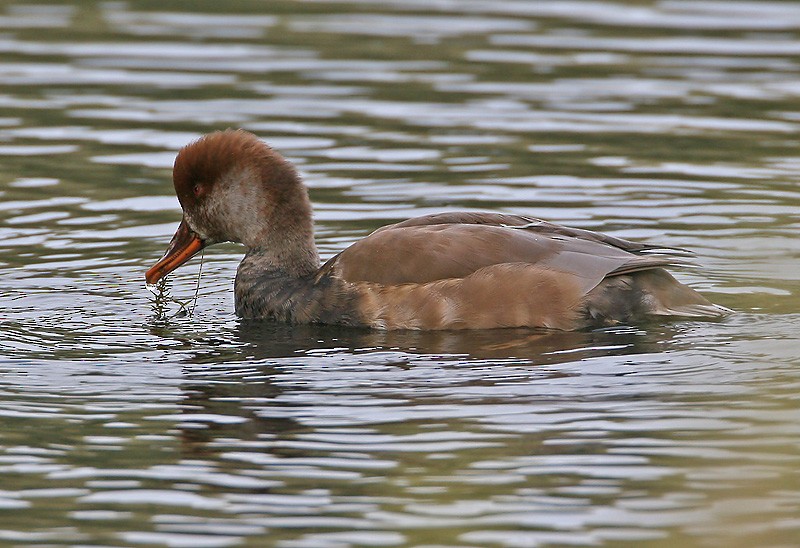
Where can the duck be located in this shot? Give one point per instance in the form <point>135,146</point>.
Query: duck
<point>443,271</point>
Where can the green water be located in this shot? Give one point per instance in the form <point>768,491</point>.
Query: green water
<point>671,122</point>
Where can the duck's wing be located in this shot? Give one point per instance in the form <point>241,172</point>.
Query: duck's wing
<point>522,222</point>
<point>456,245</point>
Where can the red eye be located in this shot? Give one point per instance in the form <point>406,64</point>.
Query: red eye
<point>198,190</point>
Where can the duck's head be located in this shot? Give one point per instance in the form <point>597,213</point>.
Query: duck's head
<point>234,188</point>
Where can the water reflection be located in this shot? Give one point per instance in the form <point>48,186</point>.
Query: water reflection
<point>271,340</point>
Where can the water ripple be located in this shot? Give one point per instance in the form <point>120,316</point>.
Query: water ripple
<point>671,122</point>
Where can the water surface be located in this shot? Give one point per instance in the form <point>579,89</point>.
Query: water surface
<point>673,122</point>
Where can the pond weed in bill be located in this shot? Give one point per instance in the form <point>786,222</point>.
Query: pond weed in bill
<point>162,298</point>
<point>671,123</point>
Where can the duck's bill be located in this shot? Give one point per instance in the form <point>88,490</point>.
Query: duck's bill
<point>184,245</point>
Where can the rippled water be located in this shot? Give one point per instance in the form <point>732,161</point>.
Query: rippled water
<point>675,122</point>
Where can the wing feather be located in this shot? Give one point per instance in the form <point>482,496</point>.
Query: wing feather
<point>455,245</point>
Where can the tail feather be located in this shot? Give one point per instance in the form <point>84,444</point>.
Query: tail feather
<point>645,293</point>
<point>696,310</point>
<point>666,296</point>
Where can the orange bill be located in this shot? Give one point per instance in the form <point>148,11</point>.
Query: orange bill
<point>184,245</point>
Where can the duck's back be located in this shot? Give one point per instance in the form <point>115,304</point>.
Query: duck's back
<point>473,270</point>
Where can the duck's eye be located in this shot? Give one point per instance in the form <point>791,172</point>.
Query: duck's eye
<point>198,190</point>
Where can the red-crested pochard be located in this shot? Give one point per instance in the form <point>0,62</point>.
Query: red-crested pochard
<point>444,271</point>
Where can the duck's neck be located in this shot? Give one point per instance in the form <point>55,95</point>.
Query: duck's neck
<point>285,240</point>
<point>278,276</point>
<point>281,259</point>
<point>294,261</point>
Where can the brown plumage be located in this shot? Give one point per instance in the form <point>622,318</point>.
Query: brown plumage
<point>444,271</point>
